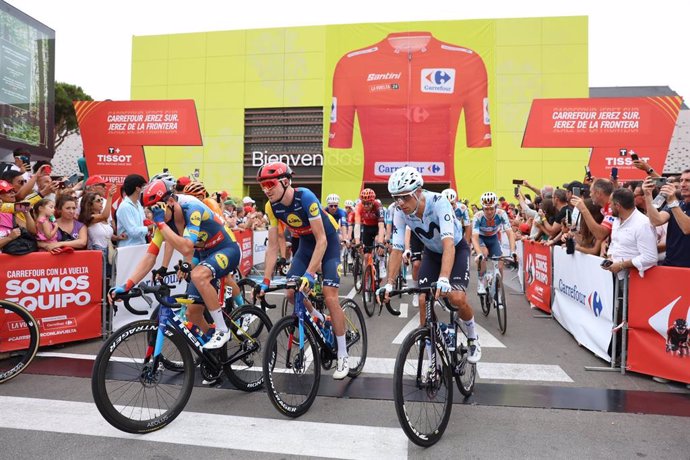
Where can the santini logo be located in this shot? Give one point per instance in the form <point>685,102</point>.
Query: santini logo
<point>383,76</point>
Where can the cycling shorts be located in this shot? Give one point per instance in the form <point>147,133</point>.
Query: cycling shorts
<point>416,247</point>
<point>459,274</point>
<point>329,264</point>
<point>493,244</point>
<point>220,261</point>
<point>368,235</point>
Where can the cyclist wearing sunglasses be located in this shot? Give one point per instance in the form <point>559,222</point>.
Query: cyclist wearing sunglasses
<point>486,227</point>
<point>319,245</point>
<point>200,235</point>
<point>339,214</point>
<point>446,254</point>
<point>369,223</point>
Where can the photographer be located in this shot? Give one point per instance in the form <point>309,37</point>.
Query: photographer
<point>677,214</point>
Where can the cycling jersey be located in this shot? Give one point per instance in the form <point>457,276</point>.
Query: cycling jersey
<point>486,227</point>
<point>408,92</point>
<point>350,218</point>
<point>675,337</point>
<point>203,227</point>
<point>462,214</point>
<point>369,216</point>
<point>438,222</point>
<point>388,217</point>
<point>340,216</point>
<point>304,208</point>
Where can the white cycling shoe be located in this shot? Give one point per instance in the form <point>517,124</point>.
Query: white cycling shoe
<point>341,369</point>
<point>475,351</point>
<point>218,339</point>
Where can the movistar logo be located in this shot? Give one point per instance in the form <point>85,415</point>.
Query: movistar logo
<point>427,234</point>
<point>383,76</point>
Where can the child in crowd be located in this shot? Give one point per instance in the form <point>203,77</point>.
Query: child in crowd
<point>46,228</point>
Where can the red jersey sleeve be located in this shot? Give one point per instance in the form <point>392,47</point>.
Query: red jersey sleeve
<point>342,107</point>
<point>476,103</point>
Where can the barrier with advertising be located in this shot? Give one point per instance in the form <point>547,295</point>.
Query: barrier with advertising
<point>259,247</point>
<point>127,260</point>
<point>63,293</point>
<point>655,302</point>
<point>583,299</point>
<point>537,275</point>
<point>245,240</point>
<point>519,248</point>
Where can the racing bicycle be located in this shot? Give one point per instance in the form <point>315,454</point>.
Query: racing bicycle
<point>428,360</point>
<point>370,279</point>
<point>144,373</point>
<point>298,347</point>
<point>495,296</point>
<point>19,339</point>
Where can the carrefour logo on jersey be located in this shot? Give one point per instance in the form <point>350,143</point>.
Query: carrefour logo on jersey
<point>438,81</point>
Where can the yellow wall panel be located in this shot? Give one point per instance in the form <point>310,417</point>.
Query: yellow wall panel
<point>224,69</point>
<point>186,71</point>
<point>225,96</point>
<point>150,73</point>
<point>149,93</point>
<point>263,94</point>
<point>564,59</point>
<point>150,48</point>
<point>226,43</point>
<point>224,122</point>
<point>303,93</point>
<point>511,117</point>
<point>305,39</point>
<point>518,88</point>
<point>187,46</point>
<point>265,41</point>
<point>518,60</point>
<point>196,92</point>
<point>303,66</point>
<point>516,32</point>
<point>565,85</point>
<point>264,67</point>
<point>565,30</point>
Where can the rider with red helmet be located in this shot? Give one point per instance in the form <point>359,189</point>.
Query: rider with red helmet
<point>369,223</point>
<point>319,247</point>
<point>193,229</point>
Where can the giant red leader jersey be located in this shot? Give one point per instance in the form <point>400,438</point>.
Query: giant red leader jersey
<point>408,92</point>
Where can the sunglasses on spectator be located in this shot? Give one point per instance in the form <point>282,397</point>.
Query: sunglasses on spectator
<point>98,199</point>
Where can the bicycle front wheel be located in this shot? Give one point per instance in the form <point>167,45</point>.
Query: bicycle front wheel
<point>368,291</point>
<point>291,374</point>
<point>423,394</point>
<point>19,339</point>
<point>501,309</point>
<point>355,336</point>
<point>356,273</point>
<point>129,393</point>
<point>248,341</point>
<point>466,375</point>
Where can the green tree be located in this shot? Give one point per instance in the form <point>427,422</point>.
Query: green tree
<point>65,117</point>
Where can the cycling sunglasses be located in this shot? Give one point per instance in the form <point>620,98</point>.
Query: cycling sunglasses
<point>269,184</point>
<point>333,206</point>
<point>401,199</point>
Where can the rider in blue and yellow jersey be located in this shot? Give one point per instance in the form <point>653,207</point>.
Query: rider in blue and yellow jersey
<point>319,244</point>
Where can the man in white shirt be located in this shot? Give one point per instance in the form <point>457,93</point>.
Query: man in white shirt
<point>633,238</point>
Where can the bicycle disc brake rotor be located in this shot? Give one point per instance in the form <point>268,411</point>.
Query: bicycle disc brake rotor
<point>150,377</point>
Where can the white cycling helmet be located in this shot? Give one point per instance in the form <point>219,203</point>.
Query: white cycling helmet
<point>489,200</point>
<point>332,199</point>
<point>404,180</point>
<point>349,203</point>
<point>165,177</point>
<point>450,194</point>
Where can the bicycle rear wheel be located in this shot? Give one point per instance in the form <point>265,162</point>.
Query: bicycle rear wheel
<point>368,293</point>
<point>501,309</point>
<point>129,393</point>
<point>291,375</point>
<point>355,336</point>
<point>19,339</point>
<point>423,395</point>
<point>249,340</point>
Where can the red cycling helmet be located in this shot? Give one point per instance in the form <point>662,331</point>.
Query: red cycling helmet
<point>276,170</point>
<point>154,192</point>
<point>367,195</point>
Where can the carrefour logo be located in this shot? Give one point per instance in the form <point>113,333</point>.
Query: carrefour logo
<point>592,301</point>
<point>438,81</point>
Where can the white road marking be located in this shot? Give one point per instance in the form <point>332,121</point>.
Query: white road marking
<point>531,372</point>
<point>286,436</point>
<point>412,324</point>
<point>403,310</point>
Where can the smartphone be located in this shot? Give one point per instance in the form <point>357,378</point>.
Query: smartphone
<point>71,180</point>
<point>588,173</point>
<point>606,263</point>
<point>634,156</point>
<point>22,206</point>
<point>517,192</point>
<point>614,173</point>
<point>518,181</point>
<point>659,181</point>
<point>576,191</point>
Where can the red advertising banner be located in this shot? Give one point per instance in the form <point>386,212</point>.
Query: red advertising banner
<point>602,159</point>
<point>655,302</point>
<point>138,122</point>
<point>602,122</point>
<point>115,163</point>
<point>408,92</point>
<point>63,293</point>
<point>538,274</point>
<point>245,240</point>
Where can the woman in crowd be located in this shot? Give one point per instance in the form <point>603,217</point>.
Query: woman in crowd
<point>584,239</point>
<point>95,211</point>
<point>71,233</point>
<point>546,213</point>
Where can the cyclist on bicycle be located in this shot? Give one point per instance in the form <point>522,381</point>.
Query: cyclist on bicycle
<point>338,213</point>
<point>486,227</point>
<point>369,226</point>
<point>446,254</point>
<point>319,246</point>
<point>677,337</point>
<point>201,237</point>
<point>461,213</point>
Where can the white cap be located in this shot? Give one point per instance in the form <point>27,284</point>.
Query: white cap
<point>247,200</point>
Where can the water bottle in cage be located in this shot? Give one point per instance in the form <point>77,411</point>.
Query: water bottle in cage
<point>445,330</point>
<point>451,338</point>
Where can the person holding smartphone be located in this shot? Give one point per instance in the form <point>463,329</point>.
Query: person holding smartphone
<point>11,221</point>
